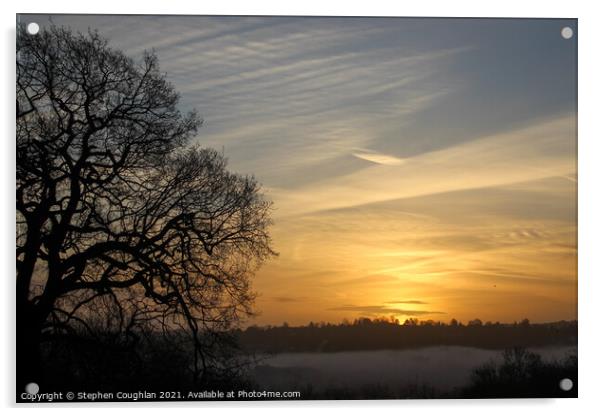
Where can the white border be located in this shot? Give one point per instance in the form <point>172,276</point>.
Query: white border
<point>590,185</point>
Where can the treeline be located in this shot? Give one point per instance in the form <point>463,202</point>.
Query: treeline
<point>382,333</point>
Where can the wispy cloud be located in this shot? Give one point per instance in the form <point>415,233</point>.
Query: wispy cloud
<point>288,299</point>
<point>286,97</point>
<point>538,151</point>
<point>408,302</point>
<point>378,158</point>
<point>380,310</point>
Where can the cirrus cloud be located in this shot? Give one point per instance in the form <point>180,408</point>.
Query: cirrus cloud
<point>380,310</point>
<point>378,158</point>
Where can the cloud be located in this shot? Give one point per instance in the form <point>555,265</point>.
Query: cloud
<point>380,310</point>
<point>378,158</point>
<point>409,302</point>
<point>283,96</point>
<point>545,149</point>
<point>370,280</point>
<point>288,299</point>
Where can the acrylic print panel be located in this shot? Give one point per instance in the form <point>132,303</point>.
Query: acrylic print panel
<point>292,208</point>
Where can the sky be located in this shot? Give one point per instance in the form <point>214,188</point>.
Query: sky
<point>418,167</point>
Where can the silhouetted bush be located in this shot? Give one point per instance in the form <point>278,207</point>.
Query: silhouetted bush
<point>523,374</point>
<point>108,363</point>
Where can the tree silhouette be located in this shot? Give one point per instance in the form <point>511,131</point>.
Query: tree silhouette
<point>117,212</point>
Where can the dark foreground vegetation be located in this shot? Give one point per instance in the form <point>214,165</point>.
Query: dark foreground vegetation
<point>110,363</point>
<point>520,374</point>
<point>80,364</point>
<point>379,334</point>
<point>164,362</point>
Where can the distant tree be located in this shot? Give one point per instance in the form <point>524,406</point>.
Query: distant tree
<point>411,322</point>
<point>475,322</point>
<point>453,322</point>
<point>363,321</point>
<point>117,211</point>
<point>384,320</point>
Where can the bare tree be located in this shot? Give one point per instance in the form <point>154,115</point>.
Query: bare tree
<point>116,209</point>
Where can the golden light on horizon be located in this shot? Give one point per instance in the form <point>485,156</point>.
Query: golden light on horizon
<point>499,247</point>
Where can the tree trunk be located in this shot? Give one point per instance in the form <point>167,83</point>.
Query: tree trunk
<point>28,363</point>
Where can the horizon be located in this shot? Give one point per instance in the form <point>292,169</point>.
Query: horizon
<point>419,168</point>
<point>419,322</point>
